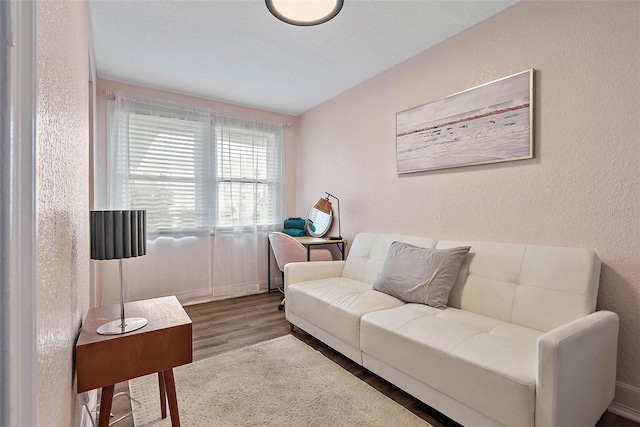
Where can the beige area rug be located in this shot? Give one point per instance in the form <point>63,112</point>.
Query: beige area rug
<point>282,382</point>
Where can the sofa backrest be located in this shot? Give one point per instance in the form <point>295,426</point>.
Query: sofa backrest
<point>369,250</point>
<point>540,287</point>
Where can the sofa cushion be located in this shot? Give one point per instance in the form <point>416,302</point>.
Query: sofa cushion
<point>336,305</point>
<point>487,364</point>
<point>420,275</point>
<point>539,287</point>
<point>369,250</point>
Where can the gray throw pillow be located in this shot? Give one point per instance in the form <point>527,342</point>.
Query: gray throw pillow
<point>420,275</point>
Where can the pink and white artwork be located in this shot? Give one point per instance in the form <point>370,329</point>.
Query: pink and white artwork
<point>486,124</point>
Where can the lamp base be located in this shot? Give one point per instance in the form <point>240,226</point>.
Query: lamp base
<point>335,237</point>
<point>116,327</point>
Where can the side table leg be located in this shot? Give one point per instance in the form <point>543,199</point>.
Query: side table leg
<point>172,397</point>
<point>105,405</point>
<point>163,395</point>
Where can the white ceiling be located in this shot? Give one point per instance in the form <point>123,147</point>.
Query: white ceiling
<point>236,51</point>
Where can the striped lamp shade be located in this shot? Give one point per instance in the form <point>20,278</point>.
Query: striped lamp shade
<point>118,234</point>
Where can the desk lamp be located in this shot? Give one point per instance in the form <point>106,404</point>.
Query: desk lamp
<point>324,205</point>
<point>118,235</point>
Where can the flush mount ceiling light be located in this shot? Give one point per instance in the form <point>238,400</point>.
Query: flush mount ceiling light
<point>304,12</point>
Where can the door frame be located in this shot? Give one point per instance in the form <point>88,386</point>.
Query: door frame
<point>18,354</point>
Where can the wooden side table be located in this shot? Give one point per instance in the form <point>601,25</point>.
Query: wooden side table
<point>164,343</point>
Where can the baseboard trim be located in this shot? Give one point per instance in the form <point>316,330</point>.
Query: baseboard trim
<point>625,412</point>
<point>626,403</point>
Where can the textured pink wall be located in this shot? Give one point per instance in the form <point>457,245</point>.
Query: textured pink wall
<point>583,187</point>
<point>62,196</point>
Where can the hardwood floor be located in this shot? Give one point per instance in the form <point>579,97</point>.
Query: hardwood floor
<point>222,326</point>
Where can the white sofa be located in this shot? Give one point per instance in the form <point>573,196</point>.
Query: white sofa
<point>520,343</point>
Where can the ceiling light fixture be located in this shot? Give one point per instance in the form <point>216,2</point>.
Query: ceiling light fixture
<point>304,12</point>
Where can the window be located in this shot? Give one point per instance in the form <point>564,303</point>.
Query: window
<point>250,184</point>
<point>167,171</point>
<point>191,172</point>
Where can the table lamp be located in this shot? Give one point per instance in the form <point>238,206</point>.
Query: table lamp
<point>324,205</point>
<point>116,235</point>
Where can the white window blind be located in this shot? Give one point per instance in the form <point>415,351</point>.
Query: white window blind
<point>249,172</point>
<point>167,160</point>
<point>168,173</point>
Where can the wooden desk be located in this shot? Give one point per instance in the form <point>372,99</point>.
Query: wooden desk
<point>164,343</point>
<point>307,242</point>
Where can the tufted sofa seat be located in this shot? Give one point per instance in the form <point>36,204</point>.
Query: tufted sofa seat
<point>520,343</point>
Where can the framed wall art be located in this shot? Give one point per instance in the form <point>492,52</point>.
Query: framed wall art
<point>485,124</point>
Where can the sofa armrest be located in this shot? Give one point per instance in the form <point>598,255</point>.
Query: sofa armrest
<point>296,272</point>
<point>577,371</point>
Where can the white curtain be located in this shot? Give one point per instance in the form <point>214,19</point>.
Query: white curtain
<point>159,158</point>
<point>251,202</point>
<point>213,188</point>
